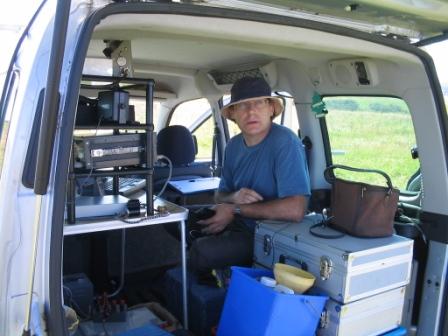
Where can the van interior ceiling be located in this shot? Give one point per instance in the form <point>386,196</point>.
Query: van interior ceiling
<point>189,58</point>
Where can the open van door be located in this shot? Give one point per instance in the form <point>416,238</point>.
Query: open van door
<point>29,108</point>
<point>419,22</point>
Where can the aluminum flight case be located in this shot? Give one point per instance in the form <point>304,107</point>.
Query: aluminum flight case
<point>374,315</point>
<point>347,268</point>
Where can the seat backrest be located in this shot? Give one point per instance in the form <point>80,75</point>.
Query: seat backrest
<point>176,142</point>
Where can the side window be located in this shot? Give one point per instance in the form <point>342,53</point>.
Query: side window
<point>196,115</point>
<point>373,132</point>
<point>140,110</point>
<point>288,118</point>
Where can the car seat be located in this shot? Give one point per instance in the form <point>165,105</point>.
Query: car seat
<point>177,143</point>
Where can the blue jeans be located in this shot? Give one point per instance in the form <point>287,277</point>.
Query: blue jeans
<point>232,247</point>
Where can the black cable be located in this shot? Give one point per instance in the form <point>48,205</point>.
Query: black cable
<point>324,224</point>
<point>284,228</point>
<point>325,236</point>
<point>122,265</point>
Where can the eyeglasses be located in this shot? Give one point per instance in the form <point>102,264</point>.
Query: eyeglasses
<point>257,104</point>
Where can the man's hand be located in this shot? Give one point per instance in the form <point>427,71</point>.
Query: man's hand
<point>246,196</point>
<point>222,218</point>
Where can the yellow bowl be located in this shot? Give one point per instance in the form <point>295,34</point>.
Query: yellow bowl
<point>295,278</point>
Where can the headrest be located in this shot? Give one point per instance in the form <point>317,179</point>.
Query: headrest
<point>176,142</point>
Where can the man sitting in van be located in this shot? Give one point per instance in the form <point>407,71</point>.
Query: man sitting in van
<point>264,177</point>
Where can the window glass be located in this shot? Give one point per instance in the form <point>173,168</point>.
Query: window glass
<point>196,115</point>
<point>204,138</point>
<point>140,110</point>
<point>372,132</point>
<point>289,118</point>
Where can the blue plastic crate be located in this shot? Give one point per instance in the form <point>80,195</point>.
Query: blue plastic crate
<point>400,331</point>
<point>254,309</point>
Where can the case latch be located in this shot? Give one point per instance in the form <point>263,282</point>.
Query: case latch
<point>267,244</point>
<point>324,320</point>
<point>326,267</point>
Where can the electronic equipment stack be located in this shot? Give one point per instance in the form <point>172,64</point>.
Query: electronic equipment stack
<point>119,154</point>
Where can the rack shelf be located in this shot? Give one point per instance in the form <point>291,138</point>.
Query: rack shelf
<point>116,127</point>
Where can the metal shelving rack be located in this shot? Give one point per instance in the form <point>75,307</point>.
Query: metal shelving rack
<point>175,212</point>
<point>148,170</point>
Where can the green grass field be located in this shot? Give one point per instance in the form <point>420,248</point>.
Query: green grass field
<point>373,140</point>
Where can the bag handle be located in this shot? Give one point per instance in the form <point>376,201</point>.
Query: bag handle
<point>329,175</point>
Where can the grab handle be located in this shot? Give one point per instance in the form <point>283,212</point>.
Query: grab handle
<point>329,175</point>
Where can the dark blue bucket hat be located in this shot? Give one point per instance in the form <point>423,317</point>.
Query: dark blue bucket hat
<point>248,88</point>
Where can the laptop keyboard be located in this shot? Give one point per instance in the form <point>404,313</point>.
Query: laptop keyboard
<point>127,185</point>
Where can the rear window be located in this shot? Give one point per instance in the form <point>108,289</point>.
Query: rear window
<point>373,132</point>
<point>196,115</point>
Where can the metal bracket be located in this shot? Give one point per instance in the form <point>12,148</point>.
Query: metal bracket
<point>122,60</point>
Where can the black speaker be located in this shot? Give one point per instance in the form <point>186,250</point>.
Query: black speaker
<point>113,106</point>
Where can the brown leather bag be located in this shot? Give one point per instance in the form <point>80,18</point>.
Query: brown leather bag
<point>362,209</point>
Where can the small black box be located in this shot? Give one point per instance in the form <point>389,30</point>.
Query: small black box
<point>113,106</point>
<point>78,293</point>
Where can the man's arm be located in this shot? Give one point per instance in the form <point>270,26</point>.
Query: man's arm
<point>290,208</point>
<point>242,196</point>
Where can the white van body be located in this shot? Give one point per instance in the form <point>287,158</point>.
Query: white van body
<point>181,46</point>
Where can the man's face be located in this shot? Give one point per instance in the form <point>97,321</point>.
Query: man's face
<point>253,117</point>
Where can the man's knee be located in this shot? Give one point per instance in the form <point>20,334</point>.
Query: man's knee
<point>199,254</point>
<point>227,249</point>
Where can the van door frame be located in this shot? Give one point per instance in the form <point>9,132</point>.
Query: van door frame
<point>55,313</point>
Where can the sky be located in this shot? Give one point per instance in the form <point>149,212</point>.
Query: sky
<point>15,14</point>
<point>439,53</point>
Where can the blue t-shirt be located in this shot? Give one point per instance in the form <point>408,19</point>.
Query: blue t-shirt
<point>274,168</point>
